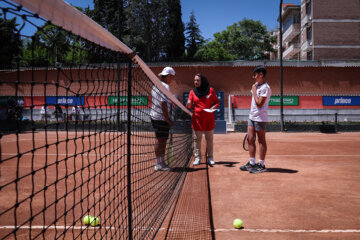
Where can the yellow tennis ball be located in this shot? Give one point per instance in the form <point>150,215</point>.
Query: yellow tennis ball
<point>94,221</point>
<point>238,223</point>
<point>87,219</point>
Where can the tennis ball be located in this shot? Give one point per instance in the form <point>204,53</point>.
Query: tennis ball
<point>238,223</point>
<point>87,219</point>
<point>94,221</point>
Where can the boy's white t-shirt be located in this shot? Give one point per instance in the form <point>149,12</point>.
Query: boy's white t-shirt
<point>260,114</point>
<point>158,97</point>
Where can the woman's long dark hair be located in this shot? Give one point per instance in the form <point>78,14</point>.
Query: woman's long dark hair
<point>204,88</point>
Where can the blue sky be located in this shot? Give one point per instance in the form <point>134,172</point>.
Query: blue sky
<point>215,15</point>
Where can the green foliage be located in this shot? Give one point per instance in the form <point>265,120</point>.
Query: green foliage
<point>245,40</point>
<point>175,39</point>
<point>56,46</point>
<point>10,44</point>
<point>152,28</point>
<point>194,40</point>
<point>213,51</point>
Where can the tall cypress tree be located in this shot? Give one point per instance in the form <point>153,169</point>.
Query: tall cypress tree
<point>194,40</point>
<point>10,43</point>
<point>152,28</point>
<point>175,45</point>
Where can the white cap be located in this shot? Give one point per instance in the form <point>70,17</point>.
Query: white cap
<point>167,70</point>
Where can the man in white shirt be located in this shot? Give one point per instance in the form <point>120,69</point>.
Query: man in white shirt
<point>160,118</point>
<point>44,111</point>
<point>261,93</point>
<point>75,112</point>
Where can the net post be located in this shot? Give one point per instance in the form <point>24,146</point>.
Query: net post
<point>129,150</point>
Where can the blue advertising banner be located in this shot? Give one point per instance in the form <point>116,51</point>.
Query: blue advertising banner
<point>71,101</point>
<point>341,101</point>
<point>219,114</point>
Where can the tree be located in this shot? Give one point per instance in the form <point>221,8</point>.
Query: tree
<point>194,40</point>
<point>213,51</point>
<point>10,43</point>
<point>175,39</point>
<point>245,40</point>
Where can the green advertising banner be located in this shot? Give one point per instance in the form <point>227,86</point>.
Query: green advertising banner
<point>135,101</point>
<point>287,101</point>
<point>4,99</point>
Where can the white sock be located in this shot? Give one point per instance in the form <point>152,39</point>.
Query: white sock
<point>252,161</point>
<point>262,162</point>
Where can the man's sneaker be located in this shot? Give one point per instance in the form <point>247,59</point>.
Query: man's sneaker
<point>211,161</point>
<point>161,167</point>
<point>197,161</point>
<point>247,167</point>
<point>258,169</point>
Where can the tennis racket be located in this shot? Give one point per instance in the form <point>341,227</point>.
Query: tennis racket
<point>246,143</point>
<point>170,150</point>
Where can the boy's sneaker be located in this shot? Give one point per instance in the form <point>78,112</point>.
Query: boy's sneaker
<point>258,169</point>
<point>211,161</point>
<point>197,161</point>
<point>247,167</point>
<point>161,167</point>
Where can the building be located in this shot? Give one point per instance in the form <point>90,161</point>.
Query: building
<point>320,30</point>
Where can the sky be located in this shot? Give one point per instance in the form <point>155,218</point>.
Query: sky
<point>215,15</point>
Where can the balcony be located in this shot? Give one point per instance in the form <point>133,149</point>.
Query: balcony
<point>307,20</point>
<point>306,46</point>
<point>291,32</point>
<point>291,51</point>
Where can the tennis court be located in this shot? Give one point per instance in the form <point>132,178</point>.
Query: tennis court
<point>311,191</point>
<point>56,170</point>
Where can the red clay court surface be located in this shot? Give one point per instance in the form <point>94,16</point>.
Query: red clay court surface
<point>311,192</point>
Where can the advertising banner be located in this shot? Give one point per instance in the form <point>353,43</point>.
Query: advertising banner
<point>287,101</point>
<point>135,101</point>
<point>63,100</point>
<point>341,101</point>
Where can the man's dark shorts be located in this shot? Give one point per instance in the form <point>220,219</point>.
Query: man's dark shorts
<point>257,125</point>
<point>162,128</point>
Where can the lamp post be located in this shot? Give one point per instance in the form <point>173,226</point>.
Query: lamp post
<point>281,70</point>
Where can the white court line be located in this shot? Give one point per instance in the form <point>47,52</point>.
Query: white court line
<point>268,155</point>
<point>291,230</point>
<point>72,154</point>
<point>38,227</point>
<point>304,155</point>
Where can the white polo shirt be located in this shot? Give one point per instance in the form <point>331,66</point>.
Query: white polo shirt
<point>260,114</point>
<point>158,97</point>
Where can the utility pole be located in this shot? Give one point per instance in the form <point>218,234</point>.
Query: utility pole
<point>281,70</point>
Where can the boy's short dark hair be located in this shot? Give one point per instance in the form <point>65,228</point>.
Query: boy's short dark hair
<point>260,69</point>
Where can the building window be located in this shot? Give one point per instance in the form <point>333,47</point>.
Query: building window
<point>288,23</point>
<point>292,19</point>
<point>309,55</point>
<point>308,8</point>
<point>309,34</point>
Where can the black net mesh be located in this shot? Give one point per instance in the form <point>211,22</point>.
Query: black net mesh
<point>77,138</point>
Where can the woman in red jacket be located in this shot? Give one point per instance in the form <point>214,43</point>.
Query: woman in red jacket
<point>204,102</point>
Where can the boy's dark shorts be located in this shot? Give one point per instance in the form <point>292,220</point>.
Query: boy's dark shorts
<point>259,126</point>
<point>162,128</point>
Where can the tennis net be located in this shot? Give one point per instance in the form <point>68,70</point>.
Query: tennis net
<point>76,134</point>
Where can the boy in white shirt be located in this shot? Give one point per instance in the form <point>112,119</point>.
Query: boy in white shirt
<point>258,117</point>
<point>160,118</point>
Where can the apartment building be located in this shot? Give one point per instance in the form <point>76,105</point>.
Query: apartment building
<point>320,30</point>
